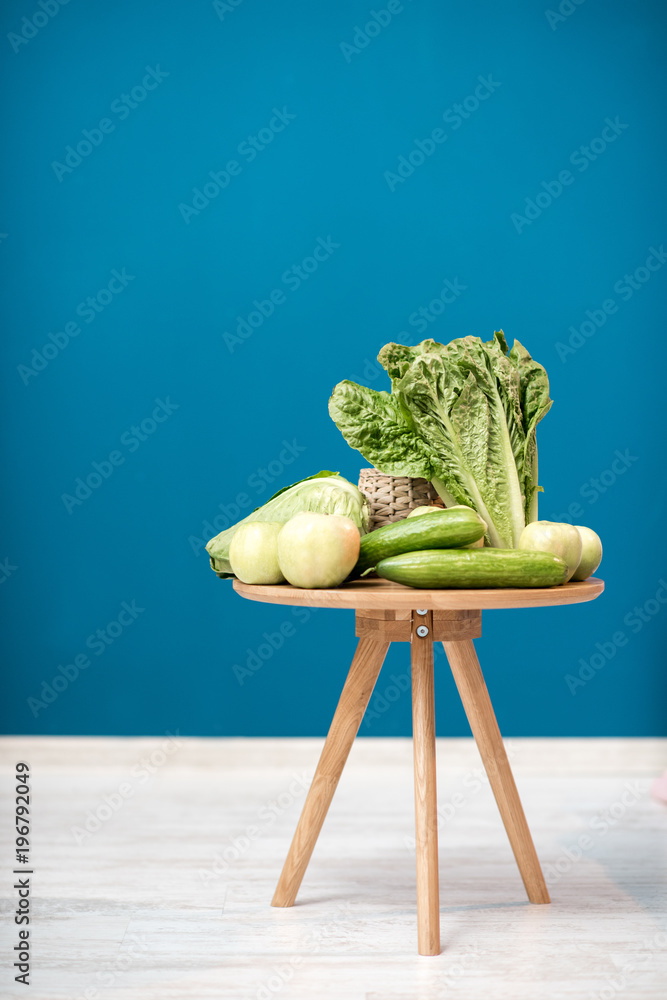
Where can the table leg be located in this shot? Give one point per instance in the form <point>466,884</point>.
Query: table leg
<point>366,665</point>
<point>426,804</point>
<point>477,704</point>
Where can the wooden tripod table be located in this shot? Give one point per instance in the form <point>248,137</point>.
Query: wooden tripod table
<point>387,612</point>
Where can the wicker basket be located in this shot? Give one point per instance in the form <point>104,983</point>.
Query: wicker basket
<point>393,497</point>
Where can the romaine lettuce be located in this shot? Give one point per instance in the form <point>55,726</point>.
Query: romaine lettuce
<point>463,415</point>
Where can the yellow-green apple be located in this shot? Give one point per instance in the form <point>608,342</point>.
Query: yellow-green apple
<point>561,539</point>
<point>318,550</point>
<point>253,552</point>
<point>591,553</point>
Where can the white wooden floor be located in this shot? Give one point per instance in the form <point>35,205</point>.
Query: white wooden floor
<point>168,894</point>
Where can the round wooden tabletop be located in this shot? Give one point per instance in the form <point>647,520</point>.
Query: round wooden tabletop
<point>387,596</point>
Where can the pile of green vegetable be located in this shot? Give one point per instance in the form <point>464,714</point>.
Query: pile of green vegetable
<point>463,415</point>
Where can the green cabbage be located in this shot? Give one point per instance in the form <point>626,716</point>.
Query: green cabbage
<point>326,492</point>
<point>463,415</point>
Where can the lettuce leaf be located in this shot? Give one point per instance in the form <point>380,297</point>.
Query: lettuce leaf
<point>463,415</point>
<point>535,404</point>
<point>359,412</point>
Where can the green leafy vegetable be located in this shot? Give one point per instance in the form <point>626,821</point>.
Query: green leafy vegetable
<point>463,415</point>
<point>326,493</point>
<point>359,412</point>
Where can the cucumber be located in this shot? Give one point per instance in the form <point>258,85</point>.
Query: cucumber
<point>442,529</point>
<point>473,568</point>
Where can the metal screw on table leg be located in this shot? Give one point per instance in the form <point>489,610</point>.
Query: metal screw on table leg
<point>422,631</point>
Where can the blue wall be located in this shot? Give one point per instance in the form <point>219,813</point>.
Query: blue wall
<point>137,284</point>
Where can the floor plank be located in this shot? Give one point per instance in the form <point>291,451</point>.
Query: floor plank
<point>166,895</point>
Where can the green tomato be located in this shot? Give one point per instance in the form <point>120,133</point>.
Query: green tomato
<point>318,550</point>
<point>563,540</point>
<point>591,553</point>
<point>253,552</point>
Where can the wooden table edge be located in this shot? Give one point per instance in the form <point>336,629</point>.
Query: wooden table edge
<point>392,596</point>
